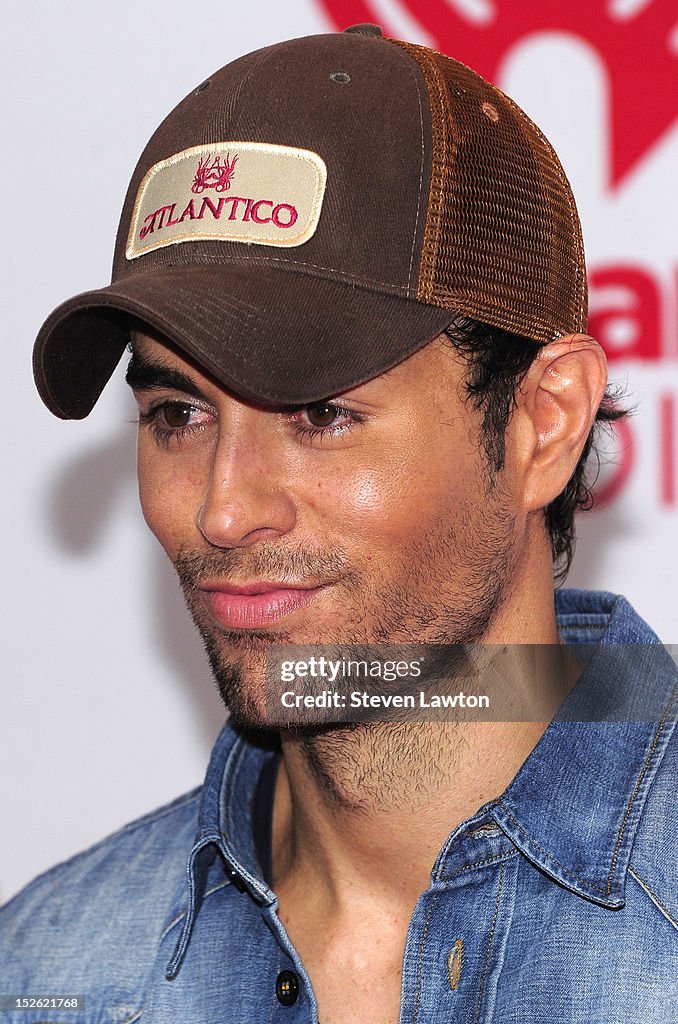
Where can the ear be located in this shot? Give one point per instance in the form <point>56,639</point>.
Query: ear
<point>556,408</point>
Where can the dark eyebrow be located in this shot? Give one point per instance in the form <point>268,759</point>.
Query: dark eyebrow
<point>144,375</point>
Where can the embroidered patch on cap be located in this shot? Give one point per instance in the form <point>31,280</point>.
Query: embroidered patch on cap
<point>252,192</point>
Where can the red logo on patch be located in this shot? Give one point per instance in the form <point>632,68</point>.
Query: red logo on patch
<point>214,174</point>
<point>635,42</point>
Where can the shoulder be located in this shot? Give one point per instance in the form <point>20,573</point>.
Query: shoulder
<point>654,858</point>
<point>94,910</point>
<point>642,674</point>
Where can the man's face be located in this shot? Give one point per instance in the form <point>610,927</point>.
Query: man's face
<point>366,518</point>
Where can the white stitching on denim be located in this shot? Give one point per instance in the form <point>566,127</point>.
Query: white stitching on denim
<point>479,863</point>
<point>130,1020</point>
<point>422,944</point>
<point>550,856</point>
<point>643,770</point>
<point>655,899</point>
<point>638,784</point>
<point>488,948</point>
<point>180,917</point>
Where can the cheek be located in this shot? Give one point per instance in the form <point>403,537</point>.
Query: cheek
<point>170,497</point>
<point>389,504</point>
<point>364,496</point>
<point>351,504</point>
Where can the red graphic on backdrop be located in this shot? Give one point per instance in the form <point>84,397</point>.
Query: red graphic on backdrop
<point>215,174</point>
<point>636,49</point>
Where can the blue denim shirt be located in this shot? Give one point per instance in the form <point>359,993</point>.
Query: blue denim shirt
<point>556,902</point>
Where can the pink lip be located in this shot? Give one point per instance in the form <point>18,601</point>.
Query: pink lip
<point>253,605</point>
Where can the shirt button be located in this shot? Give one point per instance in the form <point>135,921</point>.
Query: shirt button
<point>287,988</point>
<point>235,878</point>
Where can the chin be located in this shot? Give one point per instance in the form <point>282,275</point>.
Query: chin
<point>239,670</point>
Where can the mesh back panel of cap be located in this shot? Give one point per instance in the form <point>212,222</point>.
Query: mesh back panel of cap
<point>502,242</point>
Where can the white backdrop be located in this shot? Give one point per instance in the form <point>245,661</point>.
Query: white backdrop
<point>107,705</point>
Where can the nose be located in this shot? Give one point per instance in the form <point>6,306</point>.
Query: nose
<point>247,497</point>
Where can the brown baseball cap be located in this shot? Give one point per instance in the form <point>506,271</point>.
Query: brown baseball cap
<point>319,210</point>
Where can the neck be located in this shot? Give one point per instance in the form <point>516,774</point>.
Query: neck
<point>376,801</point>
<point>366,808</point>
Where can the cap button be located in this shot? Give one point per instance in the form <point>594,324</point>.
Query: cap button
<point>365,30</point>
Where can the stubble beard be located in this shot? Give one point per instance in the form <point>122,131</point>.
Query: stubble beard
<point>237,657</point>
<point>440,612</point>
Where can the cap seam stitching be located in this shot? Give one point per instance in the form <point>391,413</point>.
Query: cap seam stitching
<point>392,289</point>
<point>421,167</point>
<point>440,164</point>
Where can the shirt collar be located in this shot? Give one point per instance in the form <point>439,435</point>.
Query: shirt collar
<point>224,843</point>
<point>572,809</point>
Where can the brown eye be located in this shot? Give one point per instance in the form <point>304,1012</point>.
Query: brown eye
<point>322,414</point>
<point>176,414</point>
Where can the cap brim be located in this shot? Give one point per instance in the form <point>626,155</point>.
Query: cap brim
<point>268,335</point>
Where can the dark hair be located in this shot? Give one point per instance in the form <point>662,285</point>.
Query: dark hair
<point>498,361</point>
